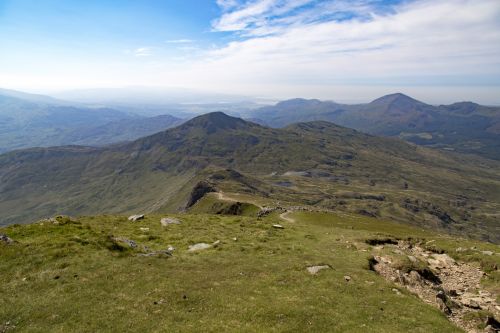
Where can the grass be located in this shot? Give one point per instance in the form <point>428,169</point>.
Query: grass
<point>66,277</point>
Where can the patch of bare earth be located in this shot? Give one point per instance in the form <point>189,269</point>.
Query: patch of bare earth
<point>438,279</point>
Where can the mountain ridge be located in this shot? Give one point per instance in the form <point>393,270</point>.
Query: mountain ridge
<point>326,165</point>
<point>464,126</point>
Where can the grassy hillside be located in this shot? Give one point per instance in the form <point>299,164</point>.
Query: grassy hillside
<point>316,164</point>
<point>80,274</point>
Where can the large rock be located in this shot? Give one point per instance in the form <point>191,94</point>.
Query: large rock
<point>203,246</point>
<point>315,269</point>
<point>199,247</point>
<point>134,218</point>
<point>169,220</point>
<point>6,239</point>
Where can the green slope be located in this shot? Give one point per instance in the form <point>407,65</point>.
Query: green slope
<point>321,165</point>
<point>69,276</point>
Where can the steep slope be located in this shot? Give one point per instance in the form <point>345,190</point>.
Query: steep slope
<point>326,166</point>
<point>465,127</point>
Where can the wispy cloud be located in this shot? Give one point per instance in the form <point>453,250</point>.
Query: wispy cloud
<point>142,52</point>
<point>327,43</point>
<point>259,16</point>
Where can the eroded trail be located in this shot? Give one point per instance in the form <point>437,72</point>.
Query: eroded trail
<point>224,197</point>
<point>439,280</point>
<point>284,216</point>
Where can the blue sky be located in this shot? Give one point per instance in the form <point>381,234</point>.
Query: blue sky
<point>439,50</point>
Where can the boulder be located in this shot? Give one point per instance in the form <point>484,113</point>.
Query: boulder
<point>315,269</point>
<point>199,247</point>
<point>134,218</point>
<point>122,242</point>
<point>169,220</point>
<point>278,226</point>
<point>6,239</point>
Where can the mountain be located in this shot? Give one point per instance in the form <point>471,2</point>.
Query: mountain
<point>28,120</point>
<point>465,127</point>
<point>317,164</point>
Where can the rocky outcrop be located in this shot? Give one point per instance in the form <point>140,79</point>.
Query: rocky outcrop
<point>134,218</point>
<point>313,270</point>
<point>416,205</point>
<point>438,279</point>
<point>202,246</point>
<point>199,191</point>
<point>4,239</point>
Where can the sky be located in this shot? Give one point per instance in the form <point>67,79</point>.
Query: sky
<point>350,51</point>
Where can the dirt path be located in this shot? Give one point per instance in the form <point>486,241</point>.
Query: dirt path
<point>451,286</point>
<point>284,216</point>
<point>224,197</point>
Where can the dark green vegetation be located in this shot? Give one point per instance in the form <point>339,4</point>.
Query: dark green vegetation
<point>33,120</point>
<point>315,164</point>
<point>464,127</point>
<point>69,276</point>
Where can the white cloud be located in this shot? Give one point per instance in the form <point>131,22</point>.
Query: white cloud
<point>142,52</point>
<point>227,4</point>
<point>419,39</point>
<point>253,14</point>
<point>448,49</point>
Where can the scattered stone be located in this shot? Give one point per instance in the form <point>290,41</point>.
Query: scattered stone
<point>412,259</point>
<point>120,241</point>
<point>216,243</point>
<point>144,229</point>
<point>160,253</point>
<point>6,239</point>
<point>452,286</point>
<point>134,218</point>
<point>199,247</point>
<point>487,253</point>
<point>170,248</point>
<point>347,278</point>
<point>441,261</point>
<point>278,226</point>
<point>315,269</point>
<point>441,302</point>
<point>235,239</point>
<point>60,220</point>
<point>471,302</point>
<point>396,291</point>
<point>169,220</point>
<point>493,324</point>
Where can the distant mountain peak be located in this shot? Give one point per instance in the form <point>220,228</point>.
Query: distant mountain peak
<point>397,98</point>
<point>216,120</point>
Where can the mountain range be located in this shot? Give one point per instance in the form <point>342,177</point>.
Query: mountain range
<point>316,164</point>
<point>28,120</point>
<point>465,127</point>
